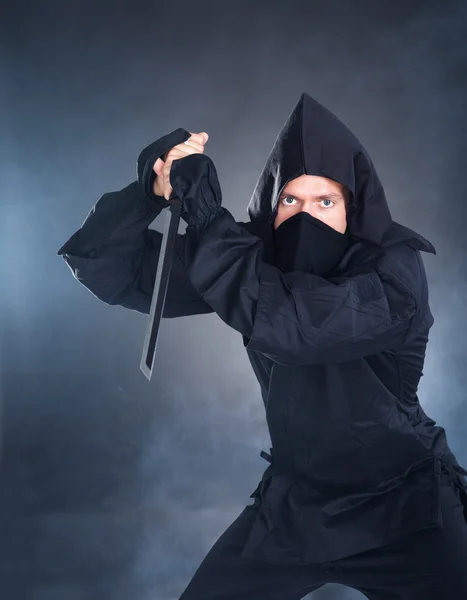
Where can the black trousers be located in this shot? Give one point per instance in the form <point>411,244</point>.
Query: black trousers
<point>430,564</point>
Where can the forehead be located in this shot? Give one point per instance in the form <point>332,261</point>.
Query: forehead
<point>312,184</point>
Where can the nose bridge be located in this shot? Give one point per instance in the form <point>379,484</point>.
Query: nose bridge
<point>309,207</point>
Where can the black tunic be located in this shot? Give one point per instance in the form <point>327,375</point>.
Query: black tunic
<point>355,461</point>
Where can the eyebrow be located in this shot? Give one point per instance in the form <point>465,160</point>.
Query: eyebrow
<point>320,197</point>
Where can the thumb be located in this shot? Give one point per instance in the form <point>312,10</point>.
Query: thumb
<point>158,166</point>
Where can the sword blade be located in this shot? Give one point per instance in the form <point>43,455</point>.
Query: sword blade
<point>164,266</point>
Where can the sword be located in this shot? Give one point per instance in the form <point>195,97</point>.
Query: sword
<point>164,266</point>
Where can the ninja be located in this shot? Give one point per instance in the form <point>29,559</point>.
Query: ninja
<point>330,297</point>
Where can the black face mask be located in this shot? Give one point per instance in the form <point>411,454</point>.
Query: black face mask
<point>304,243</point>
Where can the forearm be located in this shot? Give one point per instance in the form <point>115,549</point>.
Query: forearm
<point>223,265</point>
<point>114,225</point>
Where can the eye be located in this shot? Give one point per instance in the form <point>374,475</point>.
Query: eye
<point>330,204</point>
<point>287,198</point>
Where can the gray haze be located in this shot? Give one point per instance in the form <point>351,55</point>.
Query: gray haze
<point>113,487</point>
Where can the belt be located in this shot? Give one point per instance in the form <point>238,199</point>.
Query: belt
<point>266,456</point>
<point>455,472</point>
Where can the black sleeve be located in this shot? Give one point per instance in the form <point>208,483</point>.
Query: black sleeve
<point>114,255</point>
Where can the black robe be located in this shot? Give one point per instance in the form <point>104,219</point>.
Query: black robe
<point>355,461</point>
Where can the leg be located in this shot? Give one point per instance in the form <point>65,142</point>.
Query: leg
<point>428,565</point>
<point>224,575</point>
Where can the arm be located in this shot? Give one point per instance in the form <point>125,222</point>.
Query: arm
<point>295,318</point>
<point>114,255</point>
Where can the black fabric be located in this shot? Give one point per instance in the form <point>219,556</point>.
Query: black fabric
<point>198,209</point>
<point>314,141</point>
<point>427,565</point>
<point>338,359</point>
<point>304,243</point>
<point>114,255</point>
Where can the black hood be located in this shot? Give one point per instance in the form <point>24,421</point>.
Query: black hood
<point>314,141</point>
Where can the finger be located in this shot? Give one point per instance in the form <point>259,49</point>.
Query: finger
<point>177,152</point>
<point>192,144</point>
<point>201,138</point>
<point>189,147</point>
<point>166,177</point>
<point>180,153</point>
<point>158,166</point>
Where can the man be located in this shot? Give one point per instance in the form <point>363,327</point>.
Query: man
<point>330,296</point>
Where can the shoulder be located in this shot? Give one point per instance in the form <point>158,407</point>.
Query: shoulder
<point>405,264</point>
<point>249,226</point>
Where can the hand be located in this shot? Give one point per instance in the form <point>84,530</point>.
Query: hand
<point>194,145</point>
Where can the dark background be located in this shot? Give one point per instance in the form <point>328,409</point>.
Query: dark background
<point>113,487</point>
